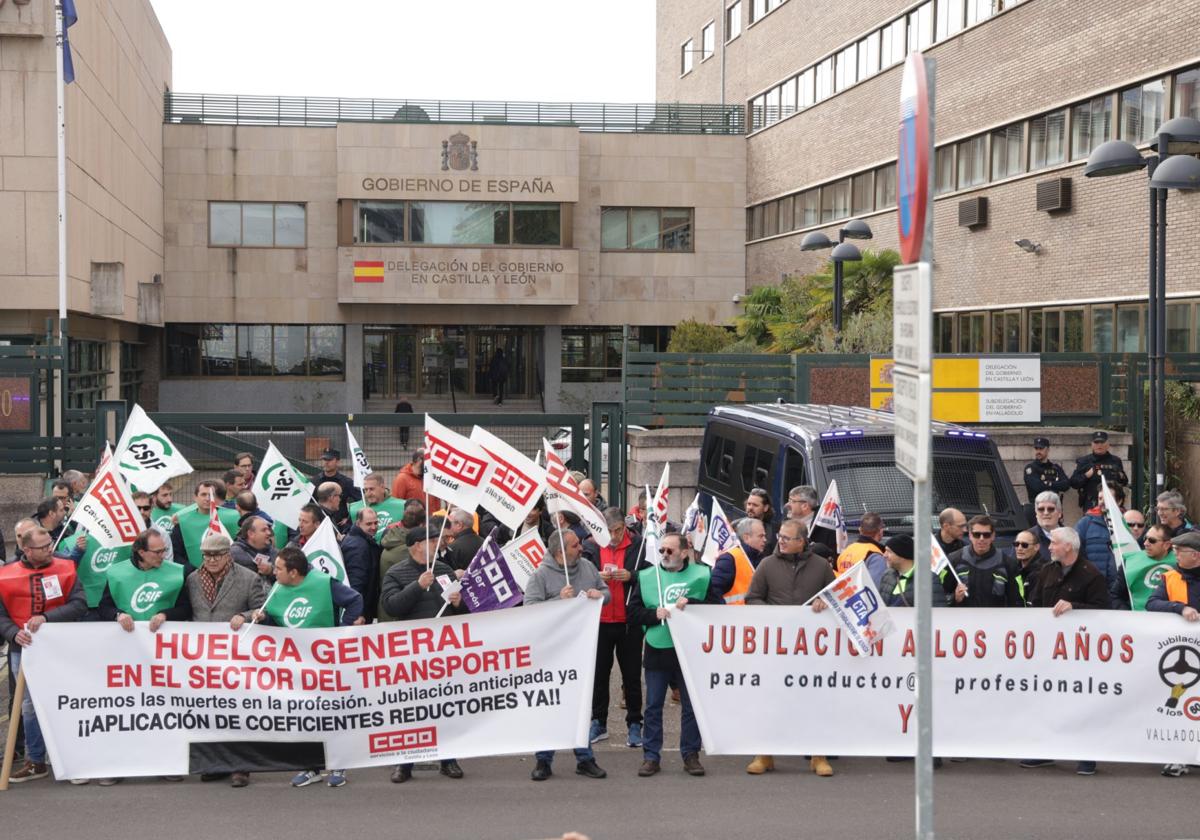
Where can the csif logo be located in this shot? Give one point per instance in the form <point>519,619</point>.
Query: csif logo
<point>674,592</point>
<point>149,452</point>
<point>146,596</point>
<point>279,481</point>
<point>360,458</point>
<point>102,558</point>
<point>297,612</point>
<point>324,561</point>
<point>1154,575</point>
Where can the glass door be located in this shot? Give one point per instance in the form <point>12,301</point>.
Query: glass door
<point>515,344</point>
<point>389,363</point>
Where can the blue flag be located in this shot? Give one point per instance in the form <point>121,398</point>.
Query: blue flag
<point>69,19</point>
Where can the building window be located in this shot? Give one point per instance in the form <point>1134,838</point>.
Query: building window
<point>804,92</point>
<point>256,350</point>
<point>971,335</point>
<point>1006,332</point>
<point>950,17</point>
<point>235,224</point>
<point>835,201</point>
<point>1091,125</point>
<point>613,228</point>
<point>1035,332</point>
<point>1142,111</point>
<point>868,56</point>
<point>733,21</point>
<point>1072,331</point>
<point>131,372</point>
<point>787,98</point>
<point>685,57</point>
<point>972,162</point>
<point>1048,140</point>
<point>862,194</point>
<point>1006,151</point>
<point>649,229</point>
<point>944,340</point>
<point>808,207</point>
<point>979,11</point>
<point>943,164</point>
<point>1129,329</point>
<point>847,68</point>
<point>708,40</point>
<point>771,218</point>
<point>893,46</point>
<point>1102,329</point>
<point>757,117</point>
<point>758,10</point>
<point>885,186</point>
<point>825,79</point>
<point>591,354</point>
<point>87,372</point>
<point>1179,335</point>
<point>920,27</point>
<point>787,214</point>
<point>1187,94</point>
<point>380,222</point>
<point>457,223</point>
<point>773,105</point>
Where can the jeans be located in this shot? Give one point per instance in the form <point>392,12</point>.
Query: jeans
<point>35,745</point>
<point>652,731</point>
<point>581,755</point>
<point>627,643</point>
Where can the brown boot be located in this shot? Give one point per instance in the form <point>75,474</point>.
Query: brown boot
<point>761,764</point>
<point>820,766</point>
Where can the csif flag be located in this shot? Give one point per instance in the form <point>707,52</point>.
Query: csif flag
<point>280,489</point>
<point>516,483</point>
<point>107,510</point>
<point>323,552</point>
<point>456,468</point>
<point>358,458</point>
<point>146,456</point>
<point>563,493</point>
<point>489,583</point>
<point>856,603</point>
<point>1142,572</point>
<point>830,516</point>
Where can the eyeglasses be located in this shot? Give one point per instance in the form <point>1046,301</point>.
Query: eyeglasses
<point>38,547</point>
<point>787,539</point>
<point>666,551</point>
<point>143,507</point>
<point>1136,524</point>
<point>158,551</point>
<point>1020,544</point>
<point>1153,541</point>
<point>982,535</point>
<point>1047,510</point>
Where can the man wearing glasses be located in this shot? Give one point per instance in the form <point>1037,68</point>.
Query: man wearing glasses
<point>146,589</point>
<point>1042,474</point>
<point>39,587</point>
<point>988,575</point>
<point>1136,521</point>
<point>1172,511</point>
<point>1047,510</point>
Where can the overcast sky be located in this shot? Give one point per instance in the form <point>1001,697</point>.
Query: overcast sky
<point>544,50</point>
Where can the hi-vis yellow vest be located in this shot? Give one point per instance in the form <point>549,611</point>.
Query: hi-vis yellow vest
<point>1176,587</point>
<point>743,571</point>
<point>855,553</point>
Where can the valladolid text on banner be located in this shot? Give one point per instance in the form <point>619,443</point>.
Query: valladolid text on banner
<point>113,703</point>
<point>1092,685</point>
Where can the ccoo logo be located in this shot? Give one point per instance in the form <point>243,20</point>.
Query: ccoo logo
<point>146,596</point>
<point>297,611</point>
<point>454,463</point>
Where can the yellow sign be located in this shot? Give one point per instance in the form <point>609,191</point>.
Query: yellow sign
<point>972,389</point>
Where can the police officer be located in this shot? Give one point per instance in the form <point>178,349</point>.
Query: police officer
<point>1089,468</point>
<point>331,460</point>
<point>1042,474</point>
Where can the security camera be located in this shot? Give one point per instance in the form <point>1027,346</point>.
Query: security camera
<point>1028,247</point>
<point>738,298</point>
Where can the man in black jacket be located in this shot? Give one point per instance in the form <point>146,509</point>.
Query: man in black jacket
<point>410,592</point>
<point>360,555</point>
<point>464,542</point>
<point>987,573</point>
<point>1089,468</point>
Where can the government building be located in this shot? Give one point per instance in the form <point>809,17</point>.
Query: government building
<point>321,254</point>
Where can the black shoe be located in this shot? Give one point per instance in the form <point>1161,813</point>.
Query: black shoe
<point>401,774</point>
<point>541,772</point>
<point>692,765</point>
<point>649,768</point>
<point>450,768</point>
<point>240,780</point>
<point>590,769</point>
<point>897,758</point>
<point>213,777</point>
<point>937,763</point>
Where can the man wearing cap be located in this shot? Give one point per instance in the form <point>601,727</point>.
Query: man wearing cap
<point>331,459</point>
<point>1089,468</point>
<point>1042,474</point>
<point>1179,589</point>
<point>897,584</point>
<point>412,591</point>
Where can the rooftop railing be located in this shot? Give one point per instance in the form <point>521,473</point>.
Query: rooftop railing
<point>653,118</point>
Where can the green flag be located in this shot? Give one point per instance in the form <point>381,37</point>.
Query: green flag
<point>1142,572</point>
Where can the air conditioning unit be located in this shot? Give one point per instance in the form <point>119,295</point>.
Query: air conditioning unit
<point>1054,196</point>
<point>972,213</point>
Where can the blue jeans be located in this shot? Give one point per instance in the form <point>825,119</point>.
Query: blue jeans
<point>35,745</point>
<point>657,683</point>
<point>581,755</point>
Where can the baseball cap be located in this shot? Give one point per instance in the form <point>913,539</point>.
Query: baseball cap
<point>1099,437</point>
<point>1041,442</point>
<point>330,453</point>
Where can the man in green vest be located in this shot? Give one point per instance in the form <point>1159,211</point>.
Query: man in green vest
<point>145,589</point>
<point>301,598</point>
<point>379,498</point>
<point>676,583</point>
<point>192,522</point>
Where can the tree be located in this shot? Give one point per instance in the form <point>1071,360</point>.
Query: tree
<point>692,336</point>
<point>760,307</point>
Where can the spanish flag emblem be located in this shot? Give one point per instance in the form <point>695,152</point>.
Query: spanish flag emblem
<point>368,271</point>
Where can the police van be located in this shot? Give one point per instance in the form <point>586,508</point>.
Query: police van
<point>776,447</point>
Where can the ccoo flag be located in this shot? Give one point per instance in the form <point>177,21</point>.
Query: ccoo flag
<point>562,493</point>
<point>856,603</point>
<point>524,554</point>
<point>1142,572</point>
<point>456,468</point>
<point>830,516</point>
<point>146,456</point>
<point>107,510</point>
<point>323,552</point>
<point>280,489</point>
<point>489,583</point>
<point>362,468</point>
<point>656,516</point>
<point>515,484</point>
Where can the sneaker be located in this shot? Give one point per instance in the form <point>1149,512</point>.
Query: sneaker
<point>337,778</point>
<point>107,782</point>
<point>1031,763</point>
<point>450,768</point>
<point>29,771</point>
<point>306,778</point>
<point>401,774</point>
<point>1175,770</point>
<point>649,768</point>
<point>541,772</point>
<point>597,732</point>
<point>80,781</point>
<point>692,765</point>
<point>590,769</point>
<point>239,780</point>
<point>635,736</point>
<point>1085,768</point>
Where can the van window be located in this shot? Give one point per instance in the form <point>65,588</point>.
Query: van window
<point>756,468</point>
<point>718,461</point>
<point>794,473</point>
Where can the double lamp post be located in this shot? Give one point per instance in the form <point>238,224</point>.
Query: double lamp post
<point>843,252</point>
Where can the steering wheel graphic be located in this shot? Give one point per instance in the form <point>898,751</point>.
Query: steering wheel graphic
<point>1179,667</point>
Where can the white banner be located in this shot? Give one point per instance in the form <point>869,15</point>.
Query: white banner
<point>113,703</point>
<point>362,468</point>
<point>1008,683</point>
<point>107,510</point>
<point>456,468</point>
<point>324,553</point>
<point>146,456</point>
<point>516,484</point>
<point>280,489</point>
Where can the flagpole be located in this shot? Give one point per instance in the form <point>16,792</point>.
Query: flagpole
<point>60,91</point>
<point>563,547</point>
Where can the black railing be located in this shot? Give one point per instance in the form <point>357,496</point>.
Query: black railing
<point>653,118</point>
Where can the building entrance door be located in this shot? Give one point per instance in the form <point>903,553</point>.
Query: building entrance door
<point>515,344</point>
<point>389,362</point>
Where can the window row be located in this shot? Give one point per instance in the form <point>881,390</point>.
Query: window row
<point>920,28</point>
<point>1094,328</point>
<point>708,46</point>
<point>646,229</point>
<point>594,354</point>
<point>1066,134</point>
<point>238,224</point>
<point>457,223</point>
<point>759,9</point>
<point>255,350</point>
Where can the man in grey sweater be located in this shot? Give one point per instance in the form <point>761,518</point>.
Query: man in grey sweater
<point>549,583</point>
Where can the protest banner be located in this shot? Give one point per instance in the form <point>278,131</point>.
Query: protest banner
<point>145,455</point>
<point>1090,685</point>
<point>122,704</point>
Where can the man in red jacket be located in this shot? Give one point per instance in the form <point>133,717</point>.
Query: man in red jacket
<point>410,483</point>
<point>39,587</point>
<point>618,563</point>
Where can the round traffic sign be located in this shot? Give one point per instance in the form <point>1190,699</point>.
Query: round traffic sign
<point>912,166</point>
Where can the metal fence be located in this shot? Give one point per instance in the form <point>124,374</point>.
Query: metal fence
<point>653,118</point>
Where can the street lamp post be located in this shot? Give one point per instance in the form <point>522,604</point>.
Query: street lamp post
<point>1173,168</point>
<point>843,252</point>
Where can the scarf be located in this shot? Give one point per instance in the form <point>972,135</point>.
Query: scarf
<point>209,583</point>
